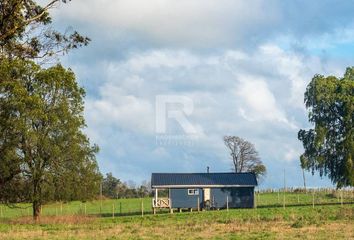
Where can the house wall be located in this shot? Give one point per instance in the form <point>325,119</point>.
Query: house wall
<point>181,199</point>
<point>240,197</point>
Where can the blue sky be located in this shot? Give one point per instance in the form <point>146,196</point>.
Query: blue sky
<point>243,64</point>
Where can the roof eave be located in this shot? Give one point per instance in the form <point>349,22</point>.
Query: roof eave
<point>199,186</point>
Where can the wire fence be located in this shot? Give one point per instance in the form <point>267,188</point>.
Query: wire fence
<point>288,197</point>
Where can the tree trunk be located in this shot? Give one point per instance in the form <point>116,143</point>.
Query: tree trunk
<point>36,205</point>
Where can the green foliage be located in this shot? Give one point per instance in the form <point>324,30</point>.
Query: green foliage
<point>25,30</point>
<point>329,146</point>
<point>110,186</point>
<point>51,158</point>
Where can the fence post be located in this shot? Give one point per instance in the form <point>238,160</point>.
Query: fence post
<point>341,197</point>
<point>227,203</point>
<point>113,210</point>
<point>1,212</point>
<point>278,196</point>
<point>254,199</point>
<point>120,208</point>
<point>198,206</point>
<point>313,198</point>
<point>85,208</point>
<point>61,208</point>
<point>142,207</point>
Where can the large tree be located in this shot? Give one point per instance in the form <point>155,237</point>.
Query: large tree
<point>329,145</point>
<point>244,156</point>
<point>43,141</point>
<point>26,33</point>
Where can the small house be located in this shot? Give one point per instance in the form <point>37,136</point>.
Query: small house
<point>203,190</point>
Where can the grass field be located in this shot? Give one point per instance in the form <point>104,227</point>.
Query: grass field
<point>328,219</point>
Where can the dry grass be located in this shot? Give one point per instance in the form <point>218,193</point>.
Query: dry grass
<point>326,222</point>
<point>68,219</point>
<point>247,230</point>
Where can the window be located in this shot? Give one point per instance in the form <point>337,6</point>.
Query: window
<point>193,191</point>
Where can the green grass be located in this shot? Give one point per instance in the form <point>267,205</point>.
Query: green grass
<point>328,219</point>
<point>120,207</point>
<point>133,206</point>
<point>322,222</point>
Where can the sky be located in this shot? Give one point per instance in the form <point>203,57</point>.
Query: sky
<point>167,79</point>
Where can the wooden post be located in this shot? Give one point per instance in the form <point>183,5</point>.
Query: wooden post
<point>120,208</point>
<point>61,208</point>
<point>142,208</point>
<point>1,212</point>
<point>278,196</point>
<point>198,207</point>
<point>254,199</point>
<point>227,202</point>
<point>101,198</point>
<point>341,197</point>
<point>56,211</point>
<point>313,198</point>
<point>284,191</point>
<point>113,210</point>
<point>298,198</point>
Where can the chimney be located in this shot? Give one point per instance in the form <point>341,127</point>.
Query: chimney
<point>207,169</point>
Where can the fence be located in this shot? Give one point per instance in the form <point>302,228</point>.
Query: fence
<point>123,207</point>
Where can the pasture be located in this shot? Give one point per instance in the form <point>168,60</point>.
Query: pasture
<point>309,216</point>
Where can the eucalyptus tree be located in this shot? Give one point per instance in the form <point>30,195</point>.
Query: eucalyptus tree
<point>329,145</point>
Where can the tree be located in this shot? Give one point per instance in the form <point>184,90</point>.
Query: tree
<point>50,155</point>
<point>25,31</point>
<point>244,156</point>
<point>329,145</point>
<point>110,186</point>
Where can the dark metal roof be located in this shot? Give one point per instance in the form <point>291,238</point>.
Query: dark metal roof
<point>202,179</point>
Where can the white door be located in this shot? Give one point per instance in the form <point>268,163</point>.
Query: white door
<point>206,194</point>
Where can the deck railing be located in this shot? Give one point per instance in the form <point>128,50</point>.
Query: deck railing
<point>161,203</point>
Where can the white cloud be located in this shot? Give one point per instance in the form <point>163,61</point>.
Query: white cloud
<point>253,95</point>
<point>244,64</point>
<point>198,22</point>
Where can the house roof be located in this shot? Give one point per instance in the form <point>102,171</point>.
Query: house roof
<point>179,180</point>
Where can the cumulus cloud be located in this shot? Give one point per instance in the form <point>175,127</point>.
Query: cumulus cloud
<point>203,24</point>
<point>235,92</point>
<point>244,65</point>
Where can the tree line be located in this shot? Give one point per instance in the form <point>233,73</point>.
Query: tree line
<point>114,188</point>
